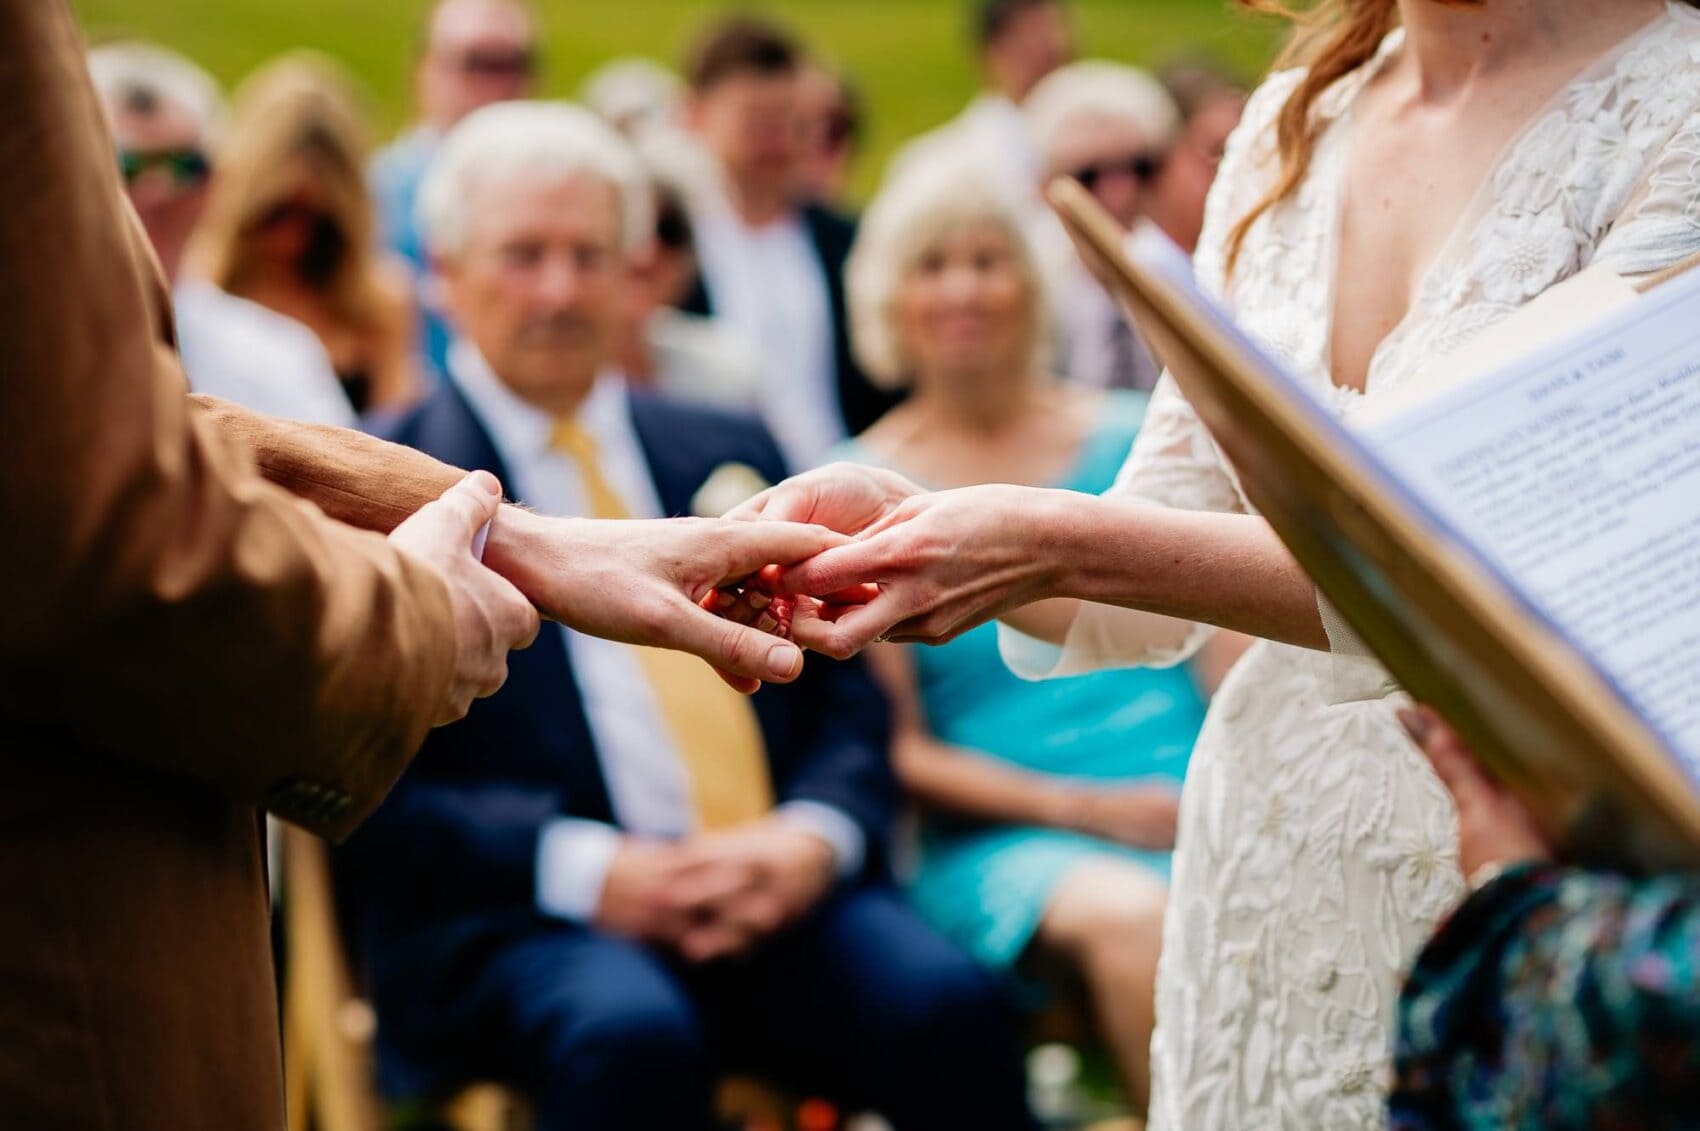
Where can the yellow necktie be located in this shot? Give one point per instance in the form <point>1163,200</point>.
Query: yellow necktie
<point>713,727</point>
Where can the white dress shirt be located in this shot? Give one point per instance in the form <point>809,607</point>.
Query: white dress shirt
<point>255,357</point>
<point>768,284</point>
<point>647,781</point>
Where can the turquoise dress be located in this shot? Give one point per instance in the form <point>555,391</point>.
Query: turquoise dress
<point>987,887</point>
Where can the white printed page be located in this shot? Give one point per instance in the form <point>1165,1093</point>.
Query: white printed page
<point>1576,472</point>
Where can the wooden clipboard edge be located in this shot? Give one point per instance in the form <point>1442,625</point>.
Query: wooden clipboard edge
<point>1640,756</point>
<point>1674,271</point>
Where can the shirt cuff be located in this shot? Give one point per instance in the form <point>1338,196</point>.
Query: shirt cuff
<point>842,834</point>
<point>573,858</point>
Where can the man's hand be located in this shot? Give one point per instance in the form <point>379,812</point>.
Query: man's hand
<point>1494,829</point>
<point>655,891</point>
<point>491,617</point>
<point>788,871</point>
<point>640,582</point>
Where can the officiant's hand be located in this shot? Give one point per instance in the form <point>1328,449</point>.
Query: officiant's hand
<point>639,581</point>
<point>1494,829</point>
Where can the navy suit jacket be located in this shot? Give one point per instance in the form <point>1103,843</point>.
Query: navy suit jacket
<point>859,400</point>
<point>447,865</point>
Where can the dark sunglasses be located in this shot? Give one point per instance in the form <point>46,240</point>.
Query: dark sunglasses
<point>499,64</point>
<point>673,228</point>
<point>1142,167</point>
<point>186,168</point>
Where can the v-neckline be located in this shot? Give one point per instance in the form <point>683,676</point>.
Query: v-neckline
<point>1343,126</point>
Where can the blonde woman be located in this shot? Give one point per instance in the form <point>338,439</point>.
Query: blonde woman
<point>1422,169</point>
<point>1049,808</point>
<point>290,225</point>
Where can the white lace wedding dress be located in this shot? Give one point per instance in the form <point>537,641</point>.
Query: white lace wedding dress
<point>1317,848</point>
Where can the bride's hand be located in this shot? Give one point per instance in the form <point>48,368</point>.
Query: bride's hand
<point>942,564</point>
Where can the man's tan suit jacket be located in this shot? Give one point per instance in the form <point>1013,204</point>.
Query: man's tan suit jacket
<point>183,643</point>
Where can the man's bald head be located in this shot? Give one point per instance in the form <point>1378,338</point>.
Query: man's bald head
<point>475,52</point>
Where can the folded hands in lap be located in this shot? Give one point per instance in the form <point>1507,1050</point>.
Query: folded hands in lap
<point>717,894</point>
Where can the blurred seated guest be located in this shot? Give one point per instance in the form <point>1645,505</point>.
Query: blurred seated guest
<point>1018,43</point>
<point>289,225</point>
<point>1553,997</point>
<point>772,269</point>
<point>659,346</point>
<point>830,113</point>
<point>471,53</point>
<point>1210,102</point>
<point>163,111</point>
<point>635,95</point>
<point>618,877</point>
<point>1050,808</point>
<point>1110,127</point>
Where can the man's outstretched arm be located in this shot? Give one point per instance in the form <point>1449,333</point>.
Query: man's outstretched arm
<point>633,581</point>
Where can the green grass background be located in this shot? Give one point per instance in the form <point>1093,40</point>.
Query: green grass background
<point>909,56</point>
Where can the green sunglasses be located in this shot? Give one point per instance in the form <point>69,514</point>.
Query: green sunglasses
<point>185,167</point>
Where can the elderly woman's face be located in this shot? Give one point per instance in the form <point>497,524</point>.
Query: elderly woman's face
<point>965,306</point>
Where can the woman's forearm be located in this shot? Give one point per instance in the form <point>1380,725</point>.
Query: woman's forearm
<point>1228,570</point>
<point>953,779</point>
<point>966,784</point>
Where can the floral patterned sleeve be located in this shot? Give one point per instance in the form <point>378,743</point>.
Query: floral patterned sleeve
<point>1556,1000</point>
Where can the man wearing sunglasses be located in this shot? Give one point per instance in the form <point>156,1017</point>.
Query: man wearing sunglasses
<point>1108,126</point>
<point>472,53</point>
<point>162,110</point>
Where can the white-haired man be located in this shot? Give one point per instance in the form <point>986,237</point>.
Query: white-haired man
<point>1110,127</point>
<point>163,111</point>
<point>616,874</point>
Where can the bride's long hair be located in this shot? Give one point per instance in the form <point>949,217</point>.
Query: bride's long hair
<point>1331,39</point>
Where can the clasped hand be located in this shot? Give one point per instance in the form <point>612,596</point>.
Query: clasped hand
<point>919,567</point>
<point>832,560</point>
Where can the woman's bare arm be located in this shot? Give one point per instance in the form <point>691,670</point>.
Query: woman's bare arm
<point>956,780</point>
<point>946,562</point>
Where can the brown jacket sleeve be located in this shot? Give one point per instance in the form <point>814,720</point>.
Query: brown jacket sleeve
<point>163,602</point>
<point>352,477</point>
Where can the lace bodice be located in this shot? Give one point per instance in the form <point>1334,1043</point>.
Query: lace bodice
<point>1317,850</point>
